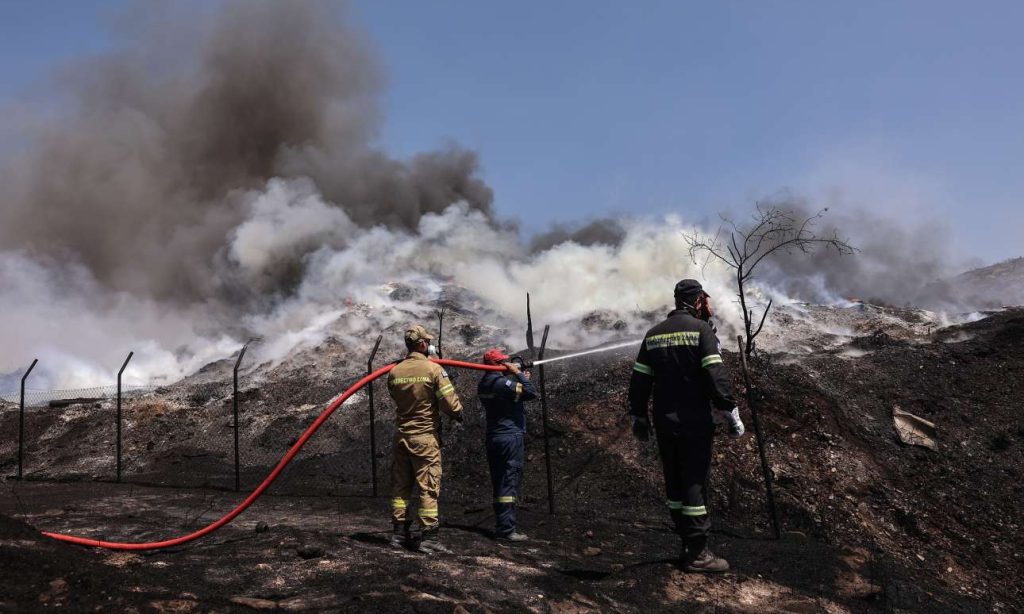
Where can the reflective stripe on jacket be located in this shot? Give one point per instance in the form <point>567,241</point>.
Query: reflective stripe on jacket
<point>421,390</point>
<point>679,362</point>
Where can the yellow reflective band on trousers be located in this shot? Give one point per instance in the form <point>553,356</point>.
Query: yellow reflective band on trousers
<point>693,510</point>
<point>713,359</point>
<point>399,503</point>
<point>674,505</point>
<point>444,390</point>
<point>504,499</point>
<point>422,379</point>
<point>642,368</point>
<point>428,513</point>
<point>673,339</point>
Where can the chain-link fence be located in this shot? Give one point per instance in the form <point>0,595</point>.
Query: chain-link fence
<point>184,436</point>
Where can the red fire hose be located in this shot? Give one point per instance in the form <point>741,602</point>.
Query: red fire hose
<point>177,541</point>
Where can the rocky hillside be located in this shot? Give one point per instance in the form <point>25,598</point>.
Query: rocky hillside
<point>869,523</point>
<point>996,285</point>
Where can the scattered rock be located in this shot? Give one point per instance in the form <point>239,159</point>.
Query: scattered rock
<point>174,606</point>
<point>255,603</point>
<point>914,431</point>
<point>591,551</point>
<point>262,527</point>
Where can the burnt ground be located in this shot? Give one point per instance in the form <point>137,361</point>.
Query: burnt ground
<point>869,523</point>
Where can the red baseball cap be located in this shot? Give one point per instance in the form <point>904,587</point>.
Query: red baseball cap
<point>494,356</point>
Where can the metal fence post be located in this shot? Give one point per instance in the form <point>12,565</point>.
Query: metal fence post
<point>21,418</point>
<point>373,418</point>
<point>234,407</point>
<point>130,354</point>
<point>544,418</point>
<point>529,328</point>
<point>440,332</point>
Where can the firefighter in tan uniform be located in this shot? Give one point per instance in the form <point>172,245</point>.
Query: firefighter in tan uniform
<point>421,390</point>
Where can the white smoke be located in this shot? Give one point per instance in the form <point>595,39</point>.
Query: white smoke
<point>82,331</point>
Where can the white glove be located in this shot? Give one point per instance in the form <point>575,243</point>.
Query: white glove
<point>730,419</point>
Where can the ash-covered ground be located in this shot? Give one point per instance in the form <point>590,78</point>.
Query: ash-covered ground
<point>869,524</point>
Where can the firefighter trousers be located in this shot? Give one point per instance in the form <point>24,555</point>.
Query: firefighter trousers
<point>416,461</point>
<point>686,461</point>
<point>505,460</point>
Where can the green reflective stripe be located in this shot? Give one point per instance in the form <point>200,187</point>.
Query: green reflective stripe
<point>399,503</point>
<point>693,510</point>
<point>504,499</point>
<point>673,339</point>
<point>642,368</point>
<point>422,379</point>
<point>444,390</point>
<point>428,512</point>
<point>674,505</point>
<point>713,359</point>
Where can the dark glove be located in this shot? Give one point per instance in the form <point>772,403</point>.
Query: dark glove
<point>641,429</point>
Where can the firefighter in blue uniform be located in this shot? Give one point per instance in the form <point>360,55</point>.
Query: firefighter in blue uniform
<point>679,364</point>
<point>503,394</point>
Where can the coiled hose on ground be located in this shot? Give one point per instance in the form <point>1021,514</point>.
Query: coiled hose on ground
<point>287,458</point>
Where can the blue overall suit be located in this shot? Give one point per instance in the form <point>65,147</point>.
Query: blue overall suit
<point>503,395</point>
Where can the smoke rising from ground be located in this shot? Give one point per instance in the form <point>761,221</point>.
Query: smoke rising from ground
<point>895,264</point>
<point>137,181</point>
<point>202,186</point>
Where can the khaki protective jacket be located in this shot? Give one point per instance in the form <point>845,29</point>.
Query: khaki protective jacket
<point>421,390</point>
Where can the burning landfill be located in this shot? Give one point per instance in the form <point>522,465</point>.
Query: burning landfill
<point>186,206</point>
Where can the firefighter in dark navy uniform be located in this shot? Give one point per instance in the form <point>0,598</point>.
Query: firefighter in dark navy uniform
<point>680,364</point>
<point>502,394</point>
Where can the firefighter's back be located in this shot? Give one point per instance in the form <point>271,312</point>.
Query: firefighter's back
<point>412,384</point>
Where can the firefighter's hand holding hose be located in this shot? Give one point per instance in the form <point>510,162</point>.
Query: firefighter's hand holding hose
<point>731,420</point>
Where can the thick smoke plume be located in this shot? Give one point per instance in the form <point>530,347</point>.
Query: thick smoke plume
<point>138,180</point>
<point>200,187</point>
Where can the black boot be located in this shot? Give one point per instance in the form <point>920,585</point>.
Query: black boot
<point>698,559</point>
<point>431,542</point>
<point>705,562</point>
<point>399,535</point>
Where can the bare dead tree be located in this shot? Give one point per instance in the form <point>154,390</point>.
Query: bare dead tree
<point>773,228</point>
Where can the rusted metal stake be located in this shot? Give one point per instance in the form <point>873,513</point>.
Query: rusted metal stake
<point>440,332</point>
<point>21,419</point>
<point>234,406</point>
<point>544,418</point>
<point>752,404</point>
<point>125,365</point>
<point>529,329</point>
<point>373,418</point>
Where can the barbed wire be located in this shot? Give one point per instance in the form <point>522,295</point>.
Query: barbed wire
<point>35,397</point>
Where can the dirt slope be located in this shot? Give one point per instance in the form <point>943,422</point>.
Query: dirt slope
<point>871,524</point>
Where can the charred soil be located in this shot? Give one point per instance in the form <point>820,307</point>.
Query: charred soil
<point>869,524</point>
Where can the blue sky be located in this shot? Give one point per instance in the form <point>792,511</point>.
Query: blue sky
<point>580,109</point>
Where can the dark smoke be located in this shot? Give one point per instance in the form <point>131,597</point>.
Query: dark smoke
<point>604,231</point>
<point>140,179</point>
